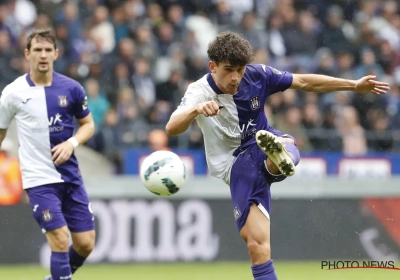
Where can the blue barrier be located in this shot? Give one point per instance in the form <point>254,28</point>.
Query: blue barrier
<point>333,162</point>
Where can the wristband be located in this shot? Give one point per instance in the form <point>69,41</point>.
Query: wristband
<point>73,141</point>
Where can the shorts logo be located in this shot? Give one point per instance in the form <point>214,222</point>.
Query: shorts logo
<point>62,101</point>
<point>255,103</point>
<point>47,217</point>
<point>35,207</point>
<point>236,213</point>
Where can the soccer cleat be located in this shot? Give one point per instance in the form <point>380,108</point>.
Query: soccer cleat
<point>48,278</point>
<point>276,151</point>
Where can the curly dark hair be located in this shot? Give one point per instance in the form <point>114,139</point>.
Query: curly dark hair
<point>230,47</point>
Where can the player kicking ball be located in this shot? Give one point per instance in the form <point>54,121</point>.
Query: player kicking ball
<point>44,104</point>
<point>241,147</point>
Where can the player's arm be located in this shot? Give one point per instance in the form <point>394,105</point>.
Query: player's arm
<point>322,83</point>
<point>180,121</point>
<point>85,130</point>
<point>7,112</point>
<point>182,118</point>
<point>193,104</point>
<point>63,151</point>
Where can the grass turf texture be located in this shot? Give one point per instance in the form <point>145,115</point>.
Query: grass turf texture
<point>199,271</point>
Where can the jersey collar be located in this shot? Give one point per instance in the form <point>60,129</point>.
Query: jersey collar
<point>29,80</point>
<point>213,85</point>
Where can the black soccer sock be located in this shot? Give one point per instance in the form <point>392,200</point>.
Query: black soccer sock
<point>75,260</point>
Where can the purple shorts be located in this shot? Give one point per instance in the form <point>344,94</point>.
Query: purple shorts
<point>61,204</point>
<point>250,183</point>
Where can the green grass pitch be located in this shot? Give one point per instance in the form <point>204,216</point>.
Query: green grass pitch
<point>200,271</point>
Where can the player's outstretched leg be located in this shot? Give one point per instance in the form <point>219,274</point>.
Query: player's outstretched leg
<point>284,155</point>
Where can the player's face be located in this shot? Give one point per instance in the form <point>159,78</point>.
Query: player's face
<point>226,76</point>
<point>41,56</point>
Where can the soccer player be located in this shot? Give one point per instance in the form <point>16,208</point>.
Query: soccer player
<point>241,147</point>
<point>44,104</point>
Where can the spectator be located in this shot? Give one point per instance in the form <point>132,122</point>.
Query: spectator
<point>158,140</point>
<point>354,142</point>
<point>102,31</point>
<point>248,27</point>
<point>143,83</point>
<point>136,58</point>
<point>291,123</point>
<point>332,35</point>
<point>223,16</point>
<point>97,102</point>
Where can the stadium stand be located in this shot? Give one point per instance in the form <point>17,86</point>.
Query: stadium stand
<point>135,59</point>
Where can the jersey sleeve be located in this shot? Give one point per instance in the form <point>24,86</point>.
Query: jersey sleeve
<point>81,108</point>
<point>276,80</point>
<point>192,97</point>
<point>7,110</point>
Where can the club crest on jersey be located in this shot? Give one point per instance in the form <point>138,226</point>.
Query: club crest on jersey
<point>62,101</point>
<point>47,217</point>
<point>255,103</point>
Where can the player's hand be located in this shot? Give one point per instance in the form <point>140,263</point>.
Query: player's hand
<point>208,109</point>
<point>369,84</point>
<point>62,152</point>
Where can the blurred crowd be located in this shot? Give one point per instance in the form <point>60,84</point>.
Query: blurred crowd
<point>135,59</point>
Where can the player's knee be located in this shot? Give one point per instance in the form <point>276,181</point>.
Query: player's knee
<point>84,246</point>
<point>259,252</point>
<point>58,240</point>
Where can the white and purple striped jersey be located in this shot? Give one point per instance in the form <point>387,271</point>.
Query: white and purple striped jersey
<point>44,117</point>
<point>233,130</point>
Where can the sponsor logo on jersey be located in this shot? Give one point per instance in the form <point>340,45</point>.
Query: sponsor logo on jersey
<point>51,124</point>
<point>244,130</point>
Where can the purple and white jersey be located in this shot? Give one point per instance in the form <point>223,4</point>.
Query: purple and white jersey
<point>44,118</point>
<point>233,130</point>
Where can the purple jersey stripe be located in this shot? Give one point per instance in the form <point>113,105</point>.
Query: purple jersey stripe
<point>65,99</point>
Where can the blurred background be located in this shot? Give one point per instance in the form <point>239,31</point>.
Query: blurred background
<point>135,59</point>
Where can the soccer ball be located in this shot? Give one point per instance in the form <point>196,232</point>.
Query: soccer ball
<point>163,173</point>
